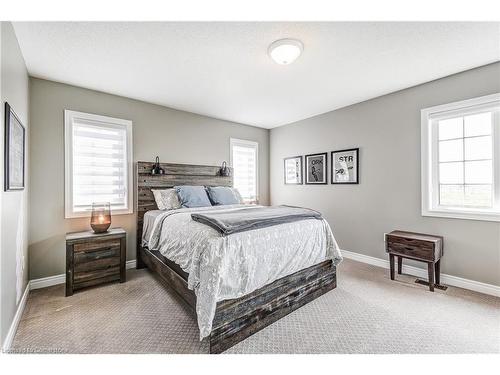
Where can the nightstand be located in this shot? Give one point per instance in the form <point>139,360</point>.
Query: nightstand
<point>93,259</point>
<point>417,246</point>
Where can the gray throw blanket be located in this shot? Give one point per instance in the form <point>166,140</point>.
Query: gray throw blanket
<point>254,218</point>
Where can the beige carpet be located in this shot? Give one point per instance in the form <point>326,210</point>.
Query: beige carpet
<point>367,313</point>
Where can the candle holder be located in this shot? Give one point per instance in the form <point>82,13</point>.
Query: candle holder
<point>100,219</point>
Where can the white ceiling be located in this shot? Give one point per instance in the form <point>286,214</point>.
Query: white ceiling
<point>222,70</point>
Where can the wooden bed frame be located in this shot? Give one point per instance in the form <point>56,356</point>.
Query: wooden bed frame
<point>234,319</point>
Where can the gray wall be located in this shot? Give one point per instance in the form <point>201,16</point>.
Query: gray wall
<point>176,136</point>
<point>387,131</point>
<point>14,204</point>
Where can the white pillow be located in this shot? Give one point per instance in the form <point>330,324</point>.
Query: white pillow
<point>166,199</point>
<point>238,195</point>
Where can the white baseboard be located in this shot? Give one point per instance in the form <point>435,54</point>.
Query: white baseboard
<point>44,282</point>
<point>419,272</point>
<point>61,279</point>
<point>130,264</point>
<point>17,318</point>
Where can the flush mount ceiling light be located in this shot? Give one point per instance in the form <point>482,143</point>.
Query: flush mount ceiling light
<point>285,51</point>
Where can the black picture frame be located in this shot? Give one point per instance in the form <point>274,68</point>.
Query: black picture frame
<point>301,170</point>
<point>11,120</point>
<point>324,155</point>
<point>333,171</point>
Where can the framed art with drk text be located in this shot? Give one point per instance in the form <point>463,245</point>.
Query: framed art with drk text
<point>316,169</point>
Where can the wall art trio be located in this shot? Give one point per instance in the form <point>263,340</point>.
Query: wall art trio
<point>344,168</point>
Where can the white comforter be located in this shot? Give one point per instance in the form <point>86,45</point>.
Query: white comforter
<point>229,267</point>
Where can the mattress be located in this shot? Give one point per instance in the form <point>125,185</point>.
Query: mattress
<point>226,267</point>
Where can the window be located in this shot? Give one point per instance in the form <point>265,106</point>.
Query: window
<point>461,159</point>
<point>245,161</point>
<point>98,163</point>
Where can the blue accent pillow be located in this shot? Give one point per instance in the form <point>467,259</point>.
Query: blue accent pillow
<point>221,195</point>
<point>192,196</point>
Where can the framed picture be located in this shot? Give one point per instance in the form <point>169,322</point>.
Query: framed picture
<point>14,151</point>
<point>293,170</point>
<point>345,166</point>
<point>316,168</point>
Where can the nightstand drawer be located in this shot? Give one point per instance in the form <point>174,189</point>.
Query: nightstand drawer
<point>410,247</point>
<point>84,276</point>
<point>91,255</point>
<point>96,245</point>
<point>96,265</point>
<point>98,281</point>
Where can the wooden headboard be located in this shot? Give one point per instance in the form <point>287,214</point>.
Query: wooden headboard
<point>175,174</point>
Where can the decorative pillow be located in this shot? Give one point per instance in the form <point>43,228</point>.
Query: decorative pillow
<point>166,199</point>
<point>221,195</point>
<point>192,196</point>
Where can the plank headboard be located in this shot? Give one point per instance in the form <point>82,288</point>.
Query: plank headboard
<point>175,174</point>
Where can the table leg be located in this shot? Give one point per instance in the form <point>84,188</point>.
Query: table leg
<point>400,265</point>
<point>437,270</point>
<point>391,262</point>
<point>430,271</point>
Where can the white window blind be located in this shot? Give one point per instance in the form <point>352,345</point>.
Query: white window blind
<point>461,159</point>
<point>98,163</point>
<point>244,160</point>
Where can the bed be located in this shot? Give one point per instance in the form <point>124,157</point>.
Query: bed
<point>260,298</point>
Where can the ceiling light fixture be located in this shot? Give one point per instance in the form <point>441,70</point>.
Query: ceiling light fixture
<point>285,51</point>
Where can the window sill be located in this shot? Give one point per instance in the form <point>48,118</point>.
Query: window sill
<point>450,214</point>
<point>75,215</point>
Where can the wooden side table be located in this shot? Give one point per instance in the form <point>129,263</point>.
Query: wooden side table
<point>417,246</point>
<point>93,259</point>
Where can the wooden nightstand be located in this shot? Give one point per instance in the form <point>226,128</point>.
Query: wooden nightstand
<point>93,259</point>
<point>417,246</point>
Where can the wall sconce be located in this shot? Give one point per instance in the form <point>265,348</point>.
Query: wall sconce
<point>100,219</point>
<point>156,167</point>
<point>224,170</point>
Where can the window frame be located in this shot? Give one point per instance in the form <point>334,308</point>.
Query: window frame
<point>430,163</point>
<point>243,142</point>
<point>69,116</point>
